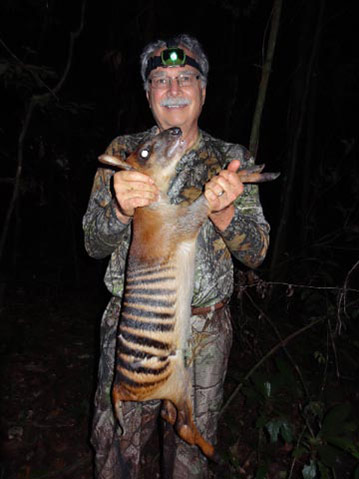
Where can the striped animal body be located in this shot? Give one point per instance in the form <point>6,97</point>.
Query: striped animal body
<point>156,308</point>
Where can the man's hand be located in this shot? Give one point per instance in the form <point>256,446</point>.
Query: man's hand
<point>133,189</point>
<point>220,193</point>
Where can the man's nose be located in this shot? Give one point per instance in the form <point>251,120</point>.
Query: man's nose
<point>174,88</point>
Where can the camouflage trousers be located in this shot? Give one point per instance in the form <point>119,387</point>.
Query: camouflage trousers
<point>117,455</point>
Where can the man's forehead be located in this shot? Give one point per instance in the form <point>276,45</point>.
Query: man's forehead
<point>175,70</point>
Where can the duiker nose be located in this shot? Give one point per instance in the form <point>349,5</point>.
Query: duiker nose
<point>176,131</point>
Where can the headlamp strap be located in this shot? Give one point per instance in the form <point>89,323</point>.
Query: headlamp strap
<point>171,57</point>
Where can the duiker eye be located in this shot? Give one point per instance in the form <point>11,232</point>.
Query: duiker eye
<point>144,153</point>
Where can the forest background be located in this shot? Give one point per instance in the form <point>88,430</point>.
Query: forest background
<point>70,83</point>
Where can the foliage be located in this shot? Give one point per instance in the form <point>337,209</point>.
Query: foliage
<point>305,406</point>
<point>302,395</point>
<point>336,438</point>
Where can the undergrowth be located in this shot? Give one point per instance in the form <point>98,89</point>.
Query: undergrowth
<point>298,382</point>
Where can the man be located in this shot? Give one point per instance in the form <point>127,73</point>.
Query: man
<point>174,75</point>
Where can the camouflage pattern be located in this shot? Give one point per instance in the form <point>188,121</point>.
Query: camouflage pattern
<point>118,456</point>
<point>246,238</point>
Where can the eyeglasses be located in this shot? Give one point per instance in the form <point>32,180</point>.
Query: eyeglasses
<point>183,80</point>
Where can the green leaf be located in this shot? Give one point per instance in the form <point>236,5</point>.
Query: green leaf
<point>262,384</point>
<point>261,472</point>
<point>324,472</point>
<point>279,425</point>
<point>319,356</point>
<point>310,471</point>
<point>267,389</point>
<point>287,373</point>
<point>351,426</point>
<point>286,431</point>
<point>334,420</point>
<point>273,428</point>
<point>299,452</point>
<point>314,409</point>
<point>328,454</point>
<point>345,444</point>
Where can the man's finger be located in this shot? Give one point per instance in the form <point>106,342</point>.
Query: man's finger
<point>234,165</point>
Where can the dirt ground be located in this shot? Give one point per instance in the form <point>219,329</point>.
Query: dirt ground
<point>48,363</point>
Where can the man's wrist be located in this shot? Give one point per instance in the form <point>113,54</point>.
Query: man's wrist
<point>221,219</point>
<point>121,215</point>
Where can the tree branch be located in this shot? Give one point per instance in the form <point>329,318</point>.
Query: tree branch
<point>34,100</point>
<point>17,178</point>
<point>270,353</point>
<point>36,77</point>
<point>73,36</point>
<point>294,151</point>
<point>343,296</point>
<point>267,67</point>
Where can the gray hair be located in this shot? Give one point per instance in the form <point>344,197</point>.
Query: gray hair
<point>185,40</point>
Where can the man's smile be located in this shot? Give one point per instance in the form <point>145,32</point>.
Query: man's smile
<point>175,106</point>
<point>175,102</point>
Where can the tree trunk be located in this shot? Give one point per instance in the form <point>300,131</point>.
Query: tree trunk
<point>308,48</point>
<point>267,67</point>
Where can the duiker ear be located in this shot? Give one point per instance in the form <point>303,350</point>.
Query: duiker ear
<point>115,161</point>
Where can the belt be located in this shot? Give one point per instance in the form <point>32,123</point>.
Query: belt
<point>208,309</point>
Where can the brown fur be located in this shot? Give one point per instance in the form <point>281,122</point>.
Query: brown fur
<point>150,361</point>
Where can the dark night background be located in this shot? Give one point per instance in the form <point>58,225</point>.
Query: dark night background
<point>51,293</point>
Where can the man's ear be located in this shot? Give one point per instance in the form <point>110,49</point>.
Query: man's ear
<point>203,95</point>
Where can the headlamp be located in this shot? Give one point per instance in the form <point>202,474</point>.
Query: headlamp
<point>171,57</point>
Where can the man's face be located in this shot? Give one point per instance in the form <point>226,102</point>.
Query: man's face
<point>175,105</point>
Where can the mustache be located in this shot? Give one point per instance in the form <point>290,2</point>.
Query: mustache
<point>170,101</point>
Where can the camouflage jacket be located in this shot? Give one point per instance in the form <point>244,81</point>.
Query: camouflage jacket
<point>246,237</point>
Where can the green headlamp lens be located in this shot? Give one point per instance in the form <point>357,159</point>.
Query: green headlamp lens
<point>173,57</point>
